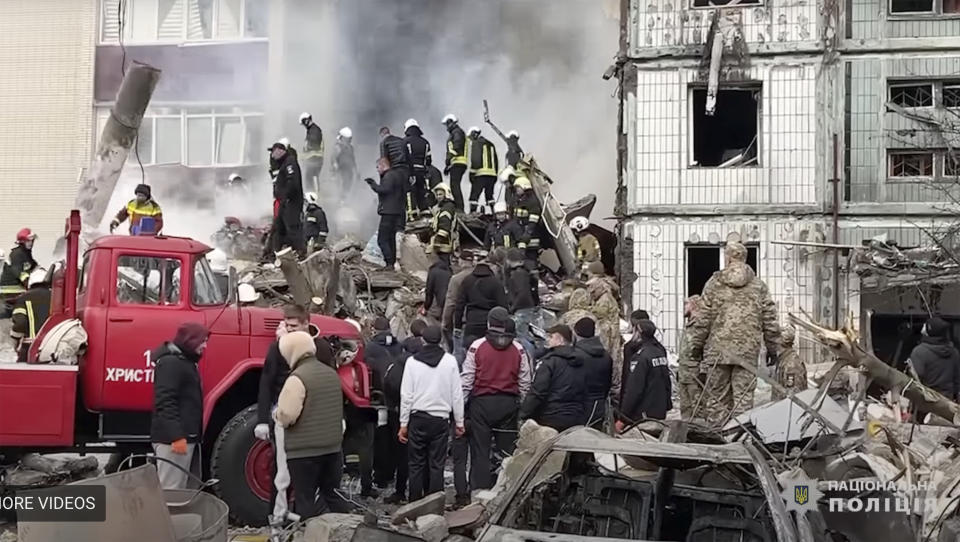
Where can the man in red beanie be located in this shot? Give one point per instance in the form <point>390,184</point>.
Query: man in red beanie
<point>177,421</point>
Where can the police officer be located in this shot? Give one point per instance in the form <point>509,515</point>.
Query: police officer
<point>444,223</point>
<point>288,189</point>
<point>312,153</point>
<point>456,161</point>
<point>418,148</point>
<point>484,165</point>
<point>30,311</point>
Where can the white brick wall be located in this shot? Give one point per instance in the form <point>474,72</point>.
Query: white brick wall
<point>46,96</point>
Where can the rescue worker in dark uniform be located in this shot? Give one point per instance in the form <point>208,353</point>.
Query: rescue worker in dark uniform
<point>19,264</point>
<point>456,161</point>
<point>484,165</point>
<point>288,189</point>
<point>315,229</point>
<point>144,213</point>
<point>514,152</point>
<point>528,214</point>
<point>312,153</point>
<point>503,231</point>
<point>30,311</point>
<point>444,223</point>
<point>418,149</point>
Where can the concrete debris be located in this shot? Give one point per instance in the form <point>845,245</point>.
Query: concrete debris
<point>413,258</point>
<point>782,421</point>
<point>429,505</point>
<point>466,518</point>
<point>332,528</point>
<point>433,528</point>
<point>461,538</point>
<point>38,470</point>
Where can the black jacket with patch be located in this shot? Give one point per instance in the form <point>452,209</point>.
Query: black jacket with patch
<point>316,223</point>
<point>480,292</point>
<point>288,187</point>
<point>380,352</point>
<point>556,398</point>
<point>937,363</point>
<point>394,149</point>
<point>647,391</point>
<point>418,149</point>
<point>177,396</point>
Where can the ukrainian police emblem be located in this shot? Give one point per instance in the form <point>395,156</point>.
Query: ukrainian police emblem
<point>801,494</point>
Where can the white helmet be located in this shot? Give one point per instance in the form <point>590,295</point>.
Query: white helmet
<point>506,173</point>
<point>234,177</point>
<point>37,276</point>
<point>346,132</point>
<point>409,123</point>
<point>513,133</point>
<point>472,130</point>
<point>579,223</point>
<point>450,117</point>
<point>218,261</point>
<point>304,116</point>
<point>284,141</point>
<point>246,293</point>
<point>311,197</point>
<point>500,207</point>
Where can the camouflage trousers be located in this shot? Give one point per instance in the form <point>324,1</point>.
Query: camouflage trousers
<point>728,392</point>
<point>689,390</point>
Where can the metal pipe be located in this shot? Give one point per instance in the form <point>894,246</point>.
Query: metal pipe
<point>836,232</point>
<point>117,139</point>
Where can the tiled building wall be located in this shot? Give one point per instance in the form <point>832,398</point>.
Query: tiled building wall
<point>662,23</point>
<point>795,275</point>
<point>46,107</point>
<point>662,146</point>
<point>871,19</point>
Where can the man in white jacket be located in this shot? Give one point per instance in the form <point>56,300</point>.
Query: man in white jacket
<point>430,392</point>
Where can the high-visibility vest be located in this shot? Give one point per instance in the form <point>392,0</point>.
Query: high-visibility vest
<point>457,158</point>
<point>443,240</point>
<point>137,212</point>
<point>488,164</point>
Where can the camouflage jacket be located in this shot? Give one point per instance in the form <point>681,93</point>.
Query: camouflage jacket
<point>791,373</point>
<point>736,314</point>
<point>689,364</point>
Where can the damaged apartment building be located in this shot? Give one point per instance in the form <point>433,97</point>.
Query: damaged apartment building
<point>793,126</point>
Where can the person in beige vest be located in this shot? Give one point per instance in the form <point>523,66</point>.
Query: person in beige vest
<point>310,411</point>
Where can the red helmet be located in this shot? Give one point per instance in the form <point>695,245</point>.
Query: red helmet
<point>25,235</point>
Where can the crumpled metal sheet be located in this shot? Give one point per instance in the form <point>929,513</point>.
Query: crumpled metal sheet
<point>782,420</point>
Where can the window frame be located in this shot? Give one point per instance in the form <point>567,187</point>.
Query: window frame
<point>934,4</point>
<point>944,156</point>
<point>951,84</point>
<point>125,26</point>
<point>752,86</point>
<point>906,178</point>
<point>721,257</point>
<point>115,298</point>
<point>895,83</point>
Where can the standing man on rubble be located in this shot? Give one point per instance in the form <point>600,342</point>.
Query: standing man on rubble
<point>496,374</point>
<point>390,191</point>
<point>736,316</point>
<point>312,153</point>
<point>484,166</point>
<point>480,292</point>
<point>528,212</point>
<point>438,281</point>
<point>520,284</point>
<point>514,152</point>
<point>648,390</point>
<point>503,231</point>
<point>588,248</point>
<point>345,161</point>
<point>418,148</point>
<point>288,189</point>
<point>936,360</point>
<point>444,225</point>
<point>144,213</point>
<point>688,375</point>
<point>792,372</point>
<point>456,161</point>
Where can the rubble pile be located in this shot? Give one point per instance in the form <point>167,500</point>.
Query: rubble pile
<point>881,264</point>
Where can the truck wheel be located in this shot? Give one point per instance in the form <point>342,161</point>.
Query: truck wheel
<point>242,463</point>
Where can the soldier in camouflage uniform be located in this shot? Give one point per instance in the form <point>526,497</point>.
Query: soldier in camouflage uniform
<point>791,372</point>
<point>688,375</point>
<point>736,316</point>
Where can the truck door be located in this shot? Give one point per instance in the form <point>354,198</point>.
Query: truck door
<point>148,304</point>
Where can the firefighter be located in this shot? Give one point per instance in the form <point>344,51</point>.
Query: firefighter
<point>315,229</point>
<point>19,265</point>
<point>420,160</point>
<point>235,181</point>
<point>444,223</point>
<point>288,191</point>
<point>345,161</point>
<point>528,211</point>
<point>514,152</point>
<point>503,231</point>
<point>146,217</point>
<point>483,168</point>
<point>312,153</point>
<point>456,161</point>
<point>588,248</point>
<point>30,311</point>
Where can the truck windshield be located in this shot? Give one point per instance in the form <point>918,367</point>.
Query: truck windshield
<point>207,289</point>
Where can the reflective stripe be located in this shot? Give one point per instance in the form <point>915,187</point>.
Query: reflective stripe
<point>31,320</point>
<point>20,311</point>
<point>313,154</point>
<point>311,219</point>
<point>521,244</point>
<point>506,240</point>
<point>24,276</point>
<point>12,289</point>
<point>534,218</point>
<point>454,157</point>
<point>486,164</point>
<point>148,209</point>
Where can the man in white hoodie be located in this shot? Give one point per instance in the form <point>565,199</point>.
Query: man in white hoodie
<point>429,393</point>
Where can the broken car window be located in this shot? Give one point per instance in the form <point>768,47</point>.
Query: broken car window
<point>206,290</point>
<point>143,280</point>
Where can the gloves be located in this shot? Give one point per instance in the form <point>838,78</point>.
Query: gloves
<point>368,180</point>
<point>179,446</point>
<point>262,431</point>
<point>113,225</point>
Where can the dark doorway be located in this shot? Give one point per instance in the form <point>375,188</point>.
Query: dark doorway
<point>704,260</point>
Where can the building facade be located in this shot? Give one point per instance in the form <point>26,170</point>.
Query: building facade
<point>811,99</point>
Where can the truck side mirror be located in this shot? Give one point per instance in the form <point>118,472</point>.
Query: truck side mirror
<point>232,283</point>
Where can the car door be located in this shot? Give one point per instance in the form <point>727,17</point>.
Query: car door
<point>148,303</point>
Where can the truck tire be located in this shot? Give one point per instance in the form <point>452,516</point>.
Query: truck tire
<point>241,463</point>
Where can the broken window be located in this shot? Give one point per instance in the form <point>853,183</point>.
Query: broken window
<point>912,94</point>
<point>911,164</point>
<point>951,93</point>
<point>704,260</point>
<point>714,3</point>
<point>911,6</point>
<point>729,137</point>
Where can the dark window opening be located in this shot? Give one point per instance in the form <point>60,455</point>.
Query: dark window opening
<point>914,95</point>
<point>951,92</point>
<point>951,6</point>
<point>911,6</point>
<point>911,164</point>
<point>730,136</point>
<point>704,260</point>
<point>712,3</point>
<point>951,164</point>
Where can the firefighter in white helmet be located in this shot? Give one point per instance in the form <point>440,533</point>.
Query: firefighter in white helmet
<point>504,231</point>
<point>444,223</point>
<point>312,153</point>
<point>315,227</point>
<point>345,162</point>
<point>484,165</point>
<point>455,164</point>
<point>588,247</point>
<point>514,152</point>
<point>420,161</point>
<point>30,311</point>
<point>247,295</point>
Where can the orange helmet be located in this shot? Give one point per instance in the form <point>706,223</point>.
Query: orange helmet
<point>25,235</point>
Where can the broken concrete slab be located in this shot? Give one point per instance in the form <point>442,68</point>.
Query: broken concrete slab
<point>52,465</point>
<point>465,518</point>
<point>432,527</point>
<point>413,257</point>
<point>783,421</point>
<point>332,528</point>
<point>431,504</point>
